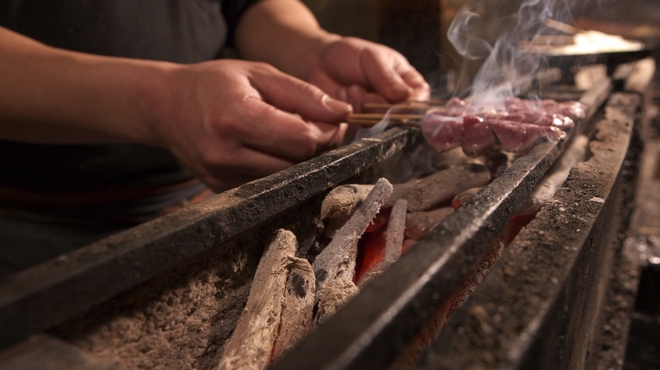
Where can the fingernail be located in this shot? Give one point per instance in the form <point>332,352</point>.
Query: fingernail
<point>336,105</point>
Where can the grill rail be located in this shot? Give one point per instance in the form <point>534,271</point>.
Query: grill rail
<point>539,288</point>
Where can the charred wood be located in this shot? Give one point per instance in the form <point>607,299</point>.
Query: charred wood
<point>442,186</point>
<point>418,224</point>
<point>251,344</point>
<point>327,263</point>
<point>395,234</point>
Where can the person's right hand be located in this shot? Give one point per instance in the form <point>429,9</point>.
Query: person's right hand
<point>231,121</point>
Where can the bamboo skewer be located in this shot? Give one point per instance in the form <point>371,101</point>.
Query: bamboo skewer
<point>431,101</point>
<point>388,106</point>
<point>412,104</point>
<point>419,107</point>
<point>372,119</point>
<point>370,123</point>
<point>392,116</point>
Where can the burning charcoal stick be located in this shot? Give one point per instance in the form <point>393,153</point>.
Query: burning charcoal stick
<point>342,200</point>
<point>395,232</point>
<point>297,308</point>
<point>251,344</point>
<point>418,224</point>
<point>336,292</point>
<point>339,204</point>
<point>327,263</point>
<point>443,185</point>
<point>393,241</point>
<point>334,295</point>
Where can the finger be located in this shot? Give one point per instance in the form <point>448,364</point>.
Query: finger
<point>421,90</point>
<point>246,165</point>
<point>329,136</point>
<point>293,95</point>
<point>373,98</point>
<point>355,95</point>
<point>329,85</point>
<point>382,73</point>
<point>284,135</point>
<point>358,96</point>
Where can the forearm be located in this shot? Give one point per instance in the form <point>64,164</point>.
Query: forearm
<point>49,95</point>
<point>283,33</point>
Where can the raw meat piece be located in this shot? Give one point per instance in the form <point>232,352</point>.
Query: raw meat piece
<point>517,127</point>
<point>455,107</point>
<point>520,137</point>
<point>441,132</point>
<point>477,137</point>
<point>572,109</point>
<point>535,118</point>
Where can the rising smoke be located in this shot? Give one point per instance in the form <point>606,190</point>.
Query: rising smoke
<point>506,66</point>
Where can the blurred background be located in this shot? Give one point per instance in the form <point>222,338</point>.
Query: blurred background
<point>418,28</point>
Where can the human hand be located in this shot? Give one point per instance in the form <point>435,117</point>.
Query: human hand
<point>358,71</point>
<point>231,121</point>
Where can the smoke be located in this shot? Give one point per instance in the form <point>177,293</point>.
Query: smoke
<point>506,66</point>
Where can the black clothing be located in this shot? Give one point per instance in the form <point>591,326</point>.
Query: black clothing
<point>182,31</point>
<point>115,185</point>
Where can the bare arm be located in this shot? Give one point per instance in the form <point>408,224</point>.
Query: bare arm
<point>55,96</point>
<point>227,121</point>
<point>285,34</point>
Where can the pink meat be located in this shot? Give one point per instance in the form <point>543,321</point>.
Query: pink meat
<point>539,118</point>
<point>556,120</point>
<point>520,137</point>
<point>478,137</point>
<point>572,109</point>
<point>442,133</point>
<point>517,128</point>
<point>455,107</point>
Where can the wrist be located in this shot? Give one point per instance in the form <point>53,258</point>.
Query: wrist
<point>309,58</point>
<point>155,102</point>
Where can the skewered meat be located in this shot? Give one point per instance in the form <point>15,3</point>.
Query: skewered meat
<point>477,136</point>
<point>516,126</point>
<point>519,137</point>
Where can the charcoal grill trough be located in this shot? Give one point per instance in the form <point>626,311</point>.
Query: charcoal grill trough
<point>540,306</point>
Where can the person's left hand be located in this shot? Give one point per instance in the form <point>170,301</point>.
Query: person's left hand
<point>358,71</point>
